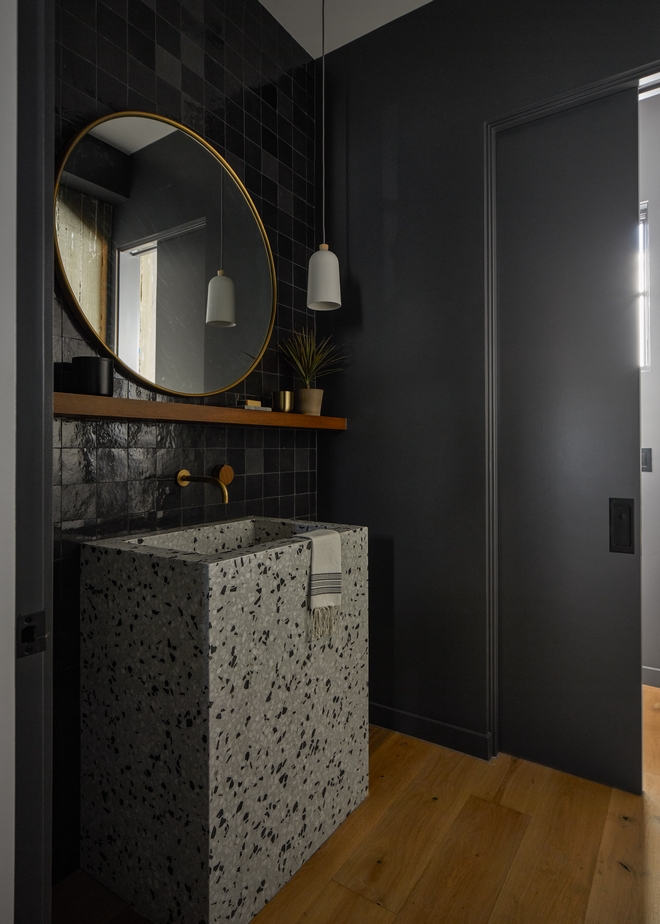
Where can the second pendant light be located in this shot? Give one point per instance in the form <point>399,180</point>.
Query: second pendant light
<point>323,286</point>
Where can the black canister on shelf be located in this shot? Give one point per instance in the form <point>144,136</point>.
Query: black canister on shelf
<point>93,375</point>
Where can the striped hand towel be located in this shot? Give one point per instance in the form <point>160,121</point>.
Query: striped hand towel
<point>324,581</point>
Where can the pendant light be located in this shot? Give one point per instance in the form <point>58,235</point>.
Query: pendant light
<point>323,287</point>
<point>220,305</point>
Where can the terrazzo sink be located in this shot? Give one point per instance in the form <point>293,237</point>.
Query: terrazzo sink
<point>230,536</point>
<point>220,747</point>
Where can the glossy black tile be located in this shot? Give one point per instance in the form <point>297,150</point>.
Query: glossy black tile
<point>171,11</point>
<point>111,59</point>
<point>169,462</point>
<point>287,483</point>
<point>287,458</point>
<point>168,519</point>
<point>168,38</point>
<point>302,483</point>
<point>143,18</point>
<point>112,500</point>
<point>193,85</point>
<point>168,495</point>
<point>142,522</point>
<point>142,47</point>
<point>78,36</point>
<point>254,461</point>
<point>78,434</point>
<point>118,6</point>
<point>236,458</point>
<point>111,25</point>
<point>141,79</point>
<point>112,465</point>
<point>78,466</point>
<point>111,434</point>
<point>287,506</point>
<point>78,73</point>
<point>192,27</point>
<point>141,464</point>
<point>196,7</point>
<point>168,67</point>
<point>78,502</point>
<point>83,9</point>
<point>168,100</point>
<point>116,526</point>
<point>141,497</point>
<point>236,437</point>
<point>192,55</point>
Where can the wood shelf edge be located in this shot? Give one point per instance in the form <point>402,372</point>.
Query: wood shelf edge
<point>66,404</point>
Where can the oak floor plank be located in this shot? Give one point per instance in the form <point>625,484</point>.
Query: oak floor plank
<point>394,765</point>
<point>617,892</point>
<point>514,783</point>
<point>466,873</point>
<point>550,879</point>
<point>377,737</point>
<point>337,905</point>
<point>626,885</point>
<point>651,892</point>
<point>651,719</point>
<point>389,861</point>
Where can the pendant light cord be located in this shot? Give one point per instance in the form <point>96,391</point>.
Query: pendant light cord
<point>323,113</point>
<point>222,218</point>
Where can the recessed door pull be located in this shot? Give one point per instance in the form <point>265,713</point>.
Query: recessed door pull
<point>622,524</point>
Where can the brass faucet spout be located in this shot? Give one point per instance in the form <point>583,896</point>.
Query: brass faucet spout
<point>222,476</point>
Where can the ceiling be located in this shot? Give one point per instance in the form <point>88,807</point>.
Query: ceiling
<point>345,20</point>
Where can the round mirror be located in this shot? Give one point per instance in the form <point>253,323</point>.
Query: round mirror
<point>162,252</point>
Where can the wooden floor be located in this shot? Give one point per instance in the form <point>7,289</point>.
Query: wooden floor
<point>448,839</point>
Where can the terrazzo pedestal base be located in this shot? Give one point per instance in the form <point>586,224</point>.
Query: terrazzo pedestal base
<point>219,747</point>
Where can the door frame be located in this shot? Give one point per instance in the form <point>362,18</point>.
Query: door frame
<point>625,81</point>
<point>34,416</point>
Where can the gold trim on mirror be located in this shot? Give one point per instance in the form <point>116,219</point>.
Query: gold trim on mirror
<point>73,301</point>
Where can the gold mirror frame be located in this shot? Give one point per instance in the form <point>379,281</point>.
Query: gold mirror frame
<point>73,301</point>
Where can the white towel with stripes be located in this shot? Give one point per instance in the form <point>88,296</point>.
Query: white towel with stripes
<point>324,581</point>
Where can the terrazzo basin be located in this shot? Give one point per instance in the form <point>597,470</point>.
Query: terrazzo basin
<point>220,747</point>
<point>229,536</point>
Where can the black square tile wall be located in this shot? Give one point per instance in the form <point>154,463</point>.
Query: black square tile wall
<point>113,477</point>
<point>230,72</point>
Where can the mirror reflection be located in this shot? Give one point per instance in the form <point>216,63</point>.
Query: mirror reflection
<point>162,251</point>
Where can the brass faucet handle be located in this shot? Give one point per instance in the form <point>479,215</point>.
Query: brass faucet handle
<point>224,474</point>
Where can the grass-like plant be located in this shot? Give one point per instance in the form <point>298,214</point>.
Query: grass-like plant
<point>310,359</point>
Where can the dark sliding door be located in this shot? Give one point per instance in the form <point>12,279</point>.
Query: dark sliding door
<point>568,440</point>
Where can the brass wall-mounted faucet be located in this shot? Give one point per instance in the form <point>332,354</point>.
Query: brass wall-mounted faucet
<point>222,476</point>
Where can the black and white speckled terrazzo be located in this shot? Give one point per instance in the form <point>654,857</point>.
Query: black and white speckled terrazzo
<point>219,747</point>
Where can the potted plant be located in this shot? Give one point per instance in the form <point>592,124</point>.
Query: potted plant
<point>311,360</point>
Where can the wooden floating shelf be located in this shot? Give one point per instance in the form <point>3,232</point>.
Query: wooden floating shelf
<point>70,405</point>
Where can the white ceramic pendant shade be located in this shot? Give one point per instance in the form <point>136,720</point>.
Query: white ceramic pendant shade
<point>323,286</point>
<point>220,304</point>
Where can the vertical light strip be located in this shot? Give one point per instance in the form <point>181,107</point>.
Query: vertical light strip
<point>644,288</point>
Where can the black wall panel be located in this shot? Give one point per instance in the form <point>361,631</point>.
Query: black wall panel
<point>407,106</point>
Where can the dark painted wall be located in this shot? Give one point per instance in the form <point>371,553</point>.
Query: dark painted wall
<point>407,110</point>
<point>226,69</point>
